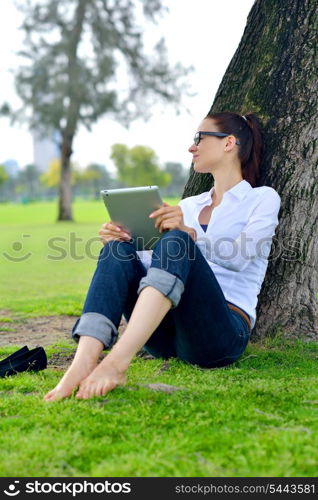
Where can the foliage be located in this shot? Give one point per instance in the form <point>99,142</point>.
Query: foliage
<point>23,184</point>
<point>92,173</point>
<point>93,179</point>
<point>52,177</point>
<point>87,181</point>
<point>3,175</point>
<point>138,166</point>
<point>178,179</point>
<point>62,70</point>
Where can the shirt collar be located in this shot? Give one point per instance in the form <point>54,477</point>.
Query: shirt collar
<point>238,191</point>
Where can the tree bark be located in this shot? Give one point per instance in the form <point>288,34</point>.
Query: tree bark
<point>273,73</point>
<point>65,188</point>
<point>68,133</point>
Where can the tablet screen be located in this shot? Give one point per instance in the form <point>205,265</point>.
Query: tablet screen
<point>130,208</point>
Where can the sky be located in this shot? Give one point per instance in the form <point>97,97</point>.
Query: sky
<point>201,33</point>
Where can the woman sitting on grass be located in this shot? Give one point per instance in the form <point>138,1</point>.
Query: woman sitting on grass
<point>196,299</point>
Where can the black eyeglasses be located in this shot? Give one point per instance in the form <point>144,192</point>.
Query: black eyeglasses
<point>198,136</point>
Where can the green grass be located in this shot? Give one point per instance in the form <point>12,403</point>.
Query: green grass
<point>257,417</point>
<point>50,264</point>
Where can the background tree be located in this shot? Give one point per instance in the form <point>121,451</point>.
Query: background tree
<point>52,177</point>
<point>29,178</point>
<point>138,166</point>
<point>93,179</point>
<point>74,49</point>
<point>274,73</point>
<point>16,183</point>
<point>3,179</point>
<point>178,178</point>
<point>3,175</point>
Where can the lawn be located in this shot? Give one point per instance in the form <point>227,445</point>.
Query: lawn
<point>50,264</point>
<point>257,417</point>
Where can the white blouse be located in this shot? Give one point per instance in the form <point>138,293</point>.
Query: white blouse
<point>237,241</point>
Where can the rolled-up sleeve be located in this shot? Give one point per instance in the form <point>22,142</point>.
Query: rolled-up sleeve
<point>254,241</point>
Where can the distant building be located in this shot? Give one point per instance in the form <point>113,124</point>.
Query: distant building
<point>45,149</point>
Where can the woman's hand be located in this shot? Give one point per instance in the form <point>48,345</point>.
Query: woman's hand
<point>171,217</point>
<point>110,231</point>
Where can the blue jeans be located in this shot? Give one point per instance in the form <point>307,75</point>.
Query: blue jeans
<point>199,328</point>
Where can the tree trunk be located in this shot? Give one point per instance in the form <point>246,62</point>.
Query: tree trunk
<point>273,73</point>
<point>65,189</point>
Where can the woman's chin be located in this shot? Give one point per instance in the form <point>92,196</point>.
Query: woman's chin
<point>197,169</point>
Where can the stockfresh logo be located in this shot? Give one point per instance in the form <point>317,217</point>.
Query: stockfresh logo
<point>12,490</point>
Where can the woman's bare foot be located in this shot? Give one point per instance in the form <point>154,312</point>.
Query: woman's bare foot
<point>102,380</point>
<point>77,372</point>
<point>86,357</point>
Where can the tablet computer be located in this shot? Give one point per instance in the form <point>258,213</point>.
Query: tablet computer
<point>130,208</point>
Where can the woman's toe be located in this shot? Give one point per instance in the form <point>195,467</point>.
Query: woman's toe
<point>51,395</point>
<point>80,392</point>
<point>47,396</point>
<point>84,394</point>
<point>103,391</point>
<point>86,391</point>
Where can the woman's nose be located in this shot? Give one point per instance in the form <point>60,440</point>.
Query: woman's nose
<point>192,148</point>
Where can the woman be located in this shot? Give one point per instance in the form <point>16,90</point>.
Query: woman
<point>196,299</point>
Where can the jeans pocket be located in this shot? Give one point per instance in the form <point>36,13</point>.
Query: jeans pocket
<point>242,327</point>
<point>244,333</point>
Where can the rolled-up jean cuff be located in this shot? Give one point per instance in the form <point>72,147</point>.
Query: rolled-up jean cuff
<point>96,325</point>
<point>168,284</point>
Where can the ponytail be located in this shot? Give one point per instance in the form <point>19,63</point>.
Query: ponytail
<point>247,129</point>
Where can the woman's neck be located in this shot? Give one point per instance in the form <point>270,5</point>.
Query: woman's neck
<point>221,185</point>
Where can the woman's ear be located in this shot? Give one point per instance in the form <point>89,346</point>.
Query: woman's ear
<point>230,143</point>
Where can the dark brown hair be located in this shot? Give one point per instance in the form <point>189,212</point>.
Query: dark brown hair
<point>248,131</point>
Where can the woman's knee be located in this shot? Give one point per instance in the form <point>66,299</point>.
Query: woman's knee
<point>176,233</point>
<point>175,244</point>
<point>117,251</point>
